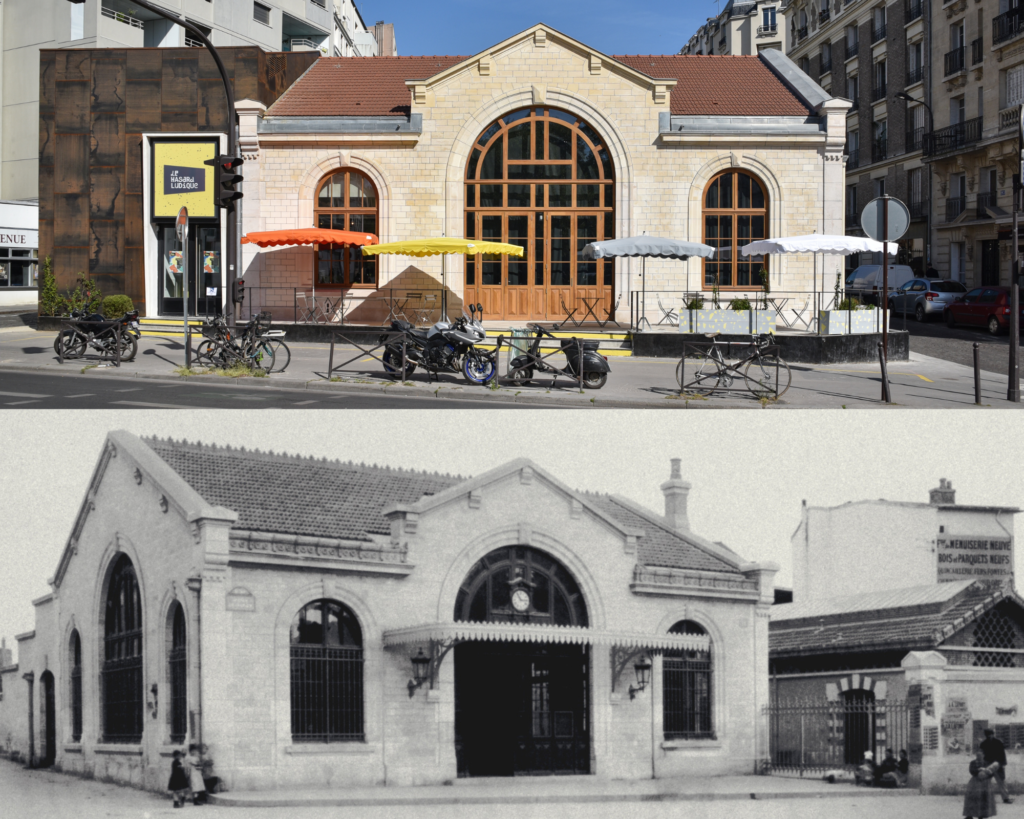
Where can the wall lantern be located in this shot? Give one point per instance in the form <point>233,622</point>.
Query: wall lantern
<point>643,676</point>
<point>420,671</point>
<point>153,705</point>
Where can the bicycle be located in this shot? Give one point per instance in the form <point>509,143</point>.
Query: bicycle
<point>248,346</point>
<point>764,372</point>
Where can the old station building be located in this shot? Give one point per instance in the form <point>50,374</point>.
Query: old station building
<point>334,624</point>
<point>540,141</point>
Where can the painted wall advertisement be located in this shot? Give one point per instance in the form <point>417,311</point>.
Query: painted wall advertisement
<point>973,556</point>
<point>954,726</point>
<point>180,179</point>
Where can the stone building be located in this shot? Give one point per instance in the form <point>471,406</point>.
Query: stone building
<point>742,27</point>
<point>326,624</point>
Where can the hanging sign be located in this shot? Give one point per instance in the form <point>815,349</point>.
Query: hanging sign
<point>180,179</point>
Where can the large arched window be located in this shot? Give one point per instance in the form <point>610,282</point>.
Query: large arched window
<point>687,689</point>
<point>177,672</point>
<point>346,200</point>
<point>326,674</point>
<point>75,656</point>
<point>519,584</point>
<point>122,656</point>
<point>542,179</point>
<point>735,214</point>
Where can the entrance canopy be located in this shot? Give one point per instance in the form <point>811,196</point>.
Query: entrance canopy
<point>644,246</point>
<point>533,633</point>
<point>308,236</point>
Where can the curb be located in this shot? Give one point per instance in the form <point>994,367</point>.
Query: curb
<point>269,801</point>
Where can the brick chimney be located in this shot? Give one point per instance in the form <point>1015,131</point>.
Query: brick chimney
<point>945,493</point>
<point>675,490</point>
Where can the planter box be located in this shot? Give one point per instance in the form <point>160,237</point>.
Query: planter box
<point>711,320</point>
<point>847,322</point>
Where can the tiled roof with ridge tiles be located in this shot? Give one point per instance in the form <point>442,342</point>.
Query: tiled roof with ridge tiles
<point>719,85</point>
<point>357,86</point>
<point>912,628</point>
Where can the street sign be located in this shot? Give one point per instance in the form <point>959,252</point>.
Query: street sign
<point>872,220</point>
<point>181,225</point>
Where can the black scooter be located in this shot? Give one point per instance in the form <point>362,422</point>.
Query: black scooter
<point>595,366</point>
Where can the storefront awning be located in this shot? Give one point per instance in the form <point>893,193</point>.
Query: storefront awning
<point>308,236</point>
<point>533,633</point>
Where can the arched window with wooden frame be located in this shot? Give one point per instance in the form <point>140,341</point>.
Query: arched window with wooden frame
<point>687,681</point>
<point>122,656</point>
<point>543,179</point>
<point>345,200</point>
<point>177,673</point>
<point>326,674</point>
<point>735,214</point>
<point>75,657</point>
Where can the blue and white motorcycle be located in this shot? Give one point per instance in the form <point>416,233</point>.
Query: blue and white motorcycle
<point>448,346</point>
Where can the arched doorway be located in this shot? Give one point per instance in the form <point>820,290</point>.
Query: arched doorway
<point>542,179</point>
<point>521,707</point>
<point>858,725</point>
<point>48,734</point>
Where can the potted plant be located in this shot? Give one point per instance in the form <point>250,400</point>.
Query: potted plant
<point>739,318</point>
<point>850,317</point>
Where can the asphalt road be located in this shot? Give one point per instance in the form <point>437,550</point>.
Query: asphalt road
<point>935,339</point>
<point>31,390</point>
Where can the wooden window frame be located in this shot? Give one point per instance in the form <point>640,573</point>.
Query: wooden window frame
<point>122,671</point>
<point>346,211</point>
<point>735,212</point>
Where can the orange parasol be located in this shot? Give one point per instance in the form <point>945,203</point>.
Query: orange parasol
<point>308,236</point>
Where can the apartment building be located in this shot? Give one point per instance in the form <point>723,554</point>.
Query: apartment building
<point>742,27</point>
<point>332,27</point>
<point>875,54</point>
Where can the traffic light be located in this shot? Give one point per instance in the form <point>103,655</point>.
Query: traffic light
<point>226,178</point>
<point>238,291</point>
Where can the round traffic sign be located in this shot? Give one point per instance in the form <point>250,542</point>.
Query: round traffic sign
<point>181,225</point>
<point>873,223</point>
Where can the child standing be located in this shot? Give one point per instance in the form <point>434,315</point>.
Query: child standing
<point>178,783</point>
<point>195,775</point>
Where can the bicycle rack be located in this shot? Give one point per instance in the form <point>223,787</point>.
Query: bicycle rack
<point>555,372</point>
<point>390,338</point>
<point>89,336</point>
<point>705,346</point>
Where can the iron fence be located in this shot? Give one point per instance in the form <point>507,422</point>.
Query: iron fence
<point>913,10</point>
<point>877,32</point>
<point>374,307</point>
<point>814,736</point>
<point>327,694</point>
<point>953,138</point>
<point>1007,25</point>
<point>977,51</point>
<point>954,61</point>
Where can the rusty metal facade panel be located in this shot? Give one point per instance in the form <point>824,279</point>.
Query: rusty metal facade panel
<point>94,107</point>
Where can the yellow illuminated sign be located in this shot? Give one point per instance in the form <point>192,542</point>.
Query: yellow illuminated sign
<point>180,179</point>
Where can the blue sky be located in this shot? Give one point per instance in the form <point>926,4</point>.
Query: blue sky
<point>469,26</point>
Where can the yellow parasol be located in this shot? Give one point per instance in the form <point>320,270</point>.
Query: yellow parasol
<point>442,247</point>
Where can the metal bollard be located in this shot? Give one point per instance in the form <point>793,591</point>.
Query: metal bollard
<point>886,395</point>
<point>977,374</point>
<point>117,344</point>
<point>330,360</point>
<point>188,347</point>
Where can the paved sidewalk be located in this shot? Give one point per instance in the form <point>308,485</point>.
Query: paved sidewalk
<point>922,382</point>
<point>558,790</point>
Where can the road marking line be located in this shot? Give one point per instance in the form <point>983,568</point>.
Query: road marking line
<point>81,395</point>
<point>153,405</point>
<point>15,403</point>
<point>303,403</point>
<point>133,389</point>
<point>25,395</point>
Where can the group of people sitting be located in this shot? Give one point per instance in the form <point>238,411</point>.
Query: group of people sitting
<point>889,773</point>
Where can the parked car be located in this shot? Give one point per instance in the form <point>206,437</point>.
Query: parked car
<point>865,282</point>
<point>982,307</point>
<point>925,298</point>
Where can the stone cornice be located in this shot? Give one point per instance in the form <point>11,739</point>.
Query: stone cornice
<point>654,580</point>
<point>276,549</point>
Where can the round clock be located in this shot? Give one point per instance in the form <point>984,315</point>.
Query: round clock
<point>520,600</point>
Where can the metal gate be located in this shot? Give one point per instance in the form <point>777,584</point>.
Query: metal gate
<point>815,736</point>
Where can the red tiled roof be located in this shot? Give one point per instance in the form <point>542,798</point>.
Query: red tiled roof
<point>712,85</point>
<point>375,86</point>
<point>357,86</point>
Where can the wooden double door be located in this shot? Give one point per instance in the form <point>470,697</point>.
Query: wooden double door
<point>550,276</point>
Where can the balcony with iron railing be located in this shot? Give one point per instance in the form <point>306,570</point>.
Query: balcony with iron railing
<point>954,61</point>
<point>953,138</point>
<point>986,199</point>
<point>955,205</point>
<point>852,219</point>
<point>854,105</point>
<point>1007,26</point>
<point>850,50</point>
<point>918,208</point>
<point>879,149</point>
<point>913,10</point>
<point>977,51</point>
<point>915,138</point>
<point>801,33</point>
<point>878,92</point>
<point>825,64</point>
<point>914,75</point>
<point>193,43</point>
<point>877,32</point>
<point>824,16</point>
<point>768,31</point>
<point>120,17</point>
<point>852,158</point>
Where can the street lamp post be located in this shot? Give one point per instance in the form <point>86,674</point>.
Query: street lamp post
<point>231,240</point>
<point>903,95</point>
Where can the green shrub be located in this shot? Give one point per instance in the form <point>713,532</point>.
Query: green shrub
<point>51,302</point>
<point>116,306</point>
<point>86,296</point>
<point>696,303</point>
<point>739,304</point>
<point>851,303</point>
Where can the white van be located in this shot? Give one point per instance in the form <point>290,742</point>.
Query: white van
<point>865,282</point>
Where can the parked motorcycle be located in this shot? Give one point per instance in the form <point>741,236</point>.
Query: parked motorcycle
<point>445,347</point>
<point>595,366</point>
<point>97,331</point>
